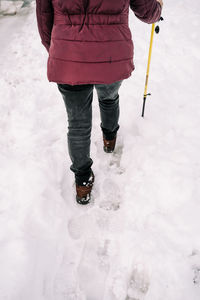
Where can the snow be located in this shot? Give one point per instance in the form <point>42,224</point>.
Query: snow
<point>8,7</point>
<point>139,238</point>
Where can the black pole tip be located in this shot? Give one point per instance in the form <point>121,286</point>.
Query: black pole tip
<point>143,107</point>
<point>157,29</point>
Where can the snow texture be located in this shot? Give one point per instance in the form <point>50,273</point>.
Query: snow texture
<point>139,238</point>
<point>8,7</point>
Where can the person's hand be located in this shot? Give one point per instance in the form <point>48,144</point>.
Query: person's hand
<point>161,2</point>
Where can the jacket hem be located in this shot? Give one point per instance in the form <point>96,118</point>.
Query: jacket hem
<point>125,76</point>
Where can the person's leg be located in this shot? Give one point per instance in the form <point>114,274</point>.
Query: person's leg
<point>78,103</point>
<point>109,108</point>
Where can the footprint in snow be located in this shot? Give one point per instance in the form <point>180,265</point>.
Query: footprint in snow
<point>65,282</point>
<point>93,269</point>
<point>116,156</point>
<point>111,195</point>
<point>80,226</point>
<point>138,284</point>
<point>196,278</point>
<point>195,257</point>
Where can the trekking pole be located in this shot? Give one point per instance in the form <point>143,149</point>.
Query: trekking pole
<point>157,29</point>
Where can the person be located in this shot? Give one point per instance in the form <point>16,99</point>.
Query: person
<point>89,43</point>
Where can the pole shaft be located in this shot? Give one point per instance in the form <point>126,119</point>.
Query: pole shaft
<point>148,67</point>
<point>149,59</point>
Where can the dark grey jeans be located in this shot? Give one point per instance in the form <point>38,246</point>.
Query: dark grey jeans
<point>78,103</point>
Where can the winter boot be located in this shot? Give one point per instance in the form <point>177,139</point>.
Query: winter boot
<point>109,145</point>
<point>83,192</point>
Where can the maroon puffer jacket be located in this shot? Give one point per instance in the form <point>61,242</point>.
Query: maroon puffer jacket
<point>89,41</point>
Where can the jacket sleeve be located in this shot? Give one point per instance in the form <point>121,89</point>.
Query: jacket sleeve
<point>148,11</point>
<point>44,14</point>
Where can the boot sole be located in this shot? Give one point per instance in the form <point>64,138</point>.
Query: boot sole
<point>82,202</point>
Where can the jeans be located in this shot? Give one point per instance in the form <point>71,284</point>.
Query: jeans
<point>78,103</point>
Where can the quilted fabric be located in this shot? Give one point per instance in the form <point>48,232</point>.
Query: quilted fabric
<point>89,41</point>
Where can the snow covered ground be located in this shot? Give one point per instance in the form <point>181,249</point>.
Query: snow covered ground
<point>139,239</point>
<point>8,7</point>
